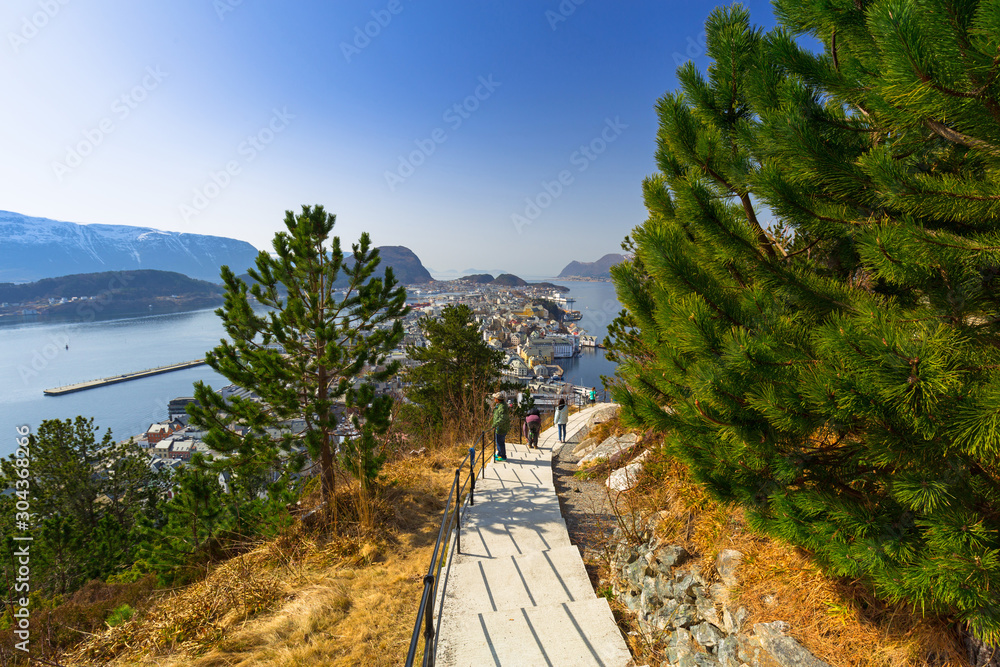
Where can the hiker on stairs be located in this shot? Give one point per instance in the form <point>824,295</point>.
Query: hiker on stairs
<point>533,426</point>
<point>501,424</point>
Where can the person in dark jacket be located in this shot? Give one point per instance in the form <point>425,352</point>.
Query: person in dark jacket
<point>533,425</point>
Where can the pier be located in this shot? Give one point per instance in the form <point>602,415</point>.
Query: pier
<point>80,386</point>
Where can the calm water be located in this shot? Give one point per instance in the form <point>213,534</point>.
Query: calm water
<point>35,358</point>
<point>599,305</point>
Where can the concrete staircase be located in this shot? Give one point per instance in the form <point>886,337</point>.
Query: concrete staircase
<point>518,594</point>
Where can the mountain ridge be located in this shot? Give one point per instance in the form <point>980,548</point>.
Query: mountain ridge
<point>34,248</point>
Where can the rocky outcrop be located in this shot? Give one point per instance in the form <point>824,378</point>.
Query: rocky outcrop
<point>599,269</point>
<point>406,266</point>
<point>674,604</point>
<point>508,280</point>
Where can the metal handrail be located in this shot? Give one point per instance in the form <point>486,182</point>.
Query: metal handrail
<point>451,521</point>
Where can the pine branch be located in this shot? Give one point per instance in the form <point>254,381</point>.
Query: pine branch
<point>953,136</point>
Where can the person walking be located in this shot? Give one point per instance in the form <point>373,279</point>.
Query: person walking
<point>562,418</point>
<point>593,395</point>
<point>533,426</point>
<point>500,423</point>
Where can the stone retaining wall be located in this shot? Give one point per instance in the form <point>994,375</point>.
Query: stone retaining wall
<point>674,604</point>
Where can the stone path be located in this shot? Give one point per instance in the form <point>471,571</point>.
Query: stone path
<point>518,594</point>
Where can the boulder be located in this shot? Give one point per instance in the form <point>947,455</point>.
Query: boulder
<point>666,558</point>
<point>625,478</point>
<point>612,449</point>
<point>585,445</point>
<point>728,652</point>
<point>705,634</point>
<point>727,564</point>
<point>783,649</point>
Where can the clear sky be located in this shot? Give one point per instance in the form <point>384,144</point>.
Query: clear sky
<point>491,135</point>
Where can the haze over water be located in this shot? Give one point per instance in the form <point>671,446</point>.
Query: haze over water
<point>35,358</point>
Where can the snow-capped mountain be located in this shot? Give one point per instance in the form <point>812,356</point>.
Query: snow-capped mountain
<point>35,248</point>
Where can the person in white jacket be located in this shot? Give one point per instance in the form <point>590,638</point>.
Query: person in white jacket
<point>561,418</point>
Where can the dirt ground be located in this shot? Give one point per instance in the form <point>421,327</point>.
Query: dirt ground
<point>586,508</point>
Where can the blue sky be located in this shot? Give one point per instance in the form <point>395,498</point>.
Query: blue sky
<point>488,135</point>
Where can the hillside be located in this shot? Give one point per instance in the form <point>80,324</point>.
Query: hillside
<point>35,248</point>
<point>124,284</point>
<point>478,278</point>
<point>508,280</point>
<point>599,269</point>
<point>405,264</point>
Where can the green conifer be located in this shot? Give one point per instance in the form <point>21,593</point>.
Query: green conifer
<point>836,371</point>
<point>309,350</point>
<point>457,370</point>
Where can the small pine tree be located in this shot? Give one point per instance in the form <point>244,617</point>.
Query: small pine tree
<point>457,370</point>
<point>191,520</point>
<point>309,351</point>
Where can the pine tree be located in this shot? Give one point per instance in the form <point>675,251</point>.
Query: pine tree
<point>306,353</point>
<point>457,370</point>
<point>835,372</point>
<point>86,493</point>
<point>174,547</point>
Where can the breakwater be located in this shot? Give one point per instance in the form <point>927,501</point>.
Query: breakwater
<point>125,377</point>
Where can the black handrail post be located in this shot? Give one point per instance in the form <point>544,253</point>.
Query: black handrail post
<point>429,625</point>
<point>458,513</point>
<point>472,475</point>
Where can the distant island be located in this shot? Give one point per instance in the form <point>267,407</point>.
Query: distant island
<point>599,270</point>
<point>504,280</point>
<point>105,295</point>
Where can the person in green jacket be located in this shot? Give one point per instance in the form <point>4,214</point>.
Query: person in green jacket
<point>501,424</point>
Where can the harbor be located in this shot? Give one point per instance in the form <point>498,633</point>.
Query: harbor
<point>125,377</point>
<point>105,349</point>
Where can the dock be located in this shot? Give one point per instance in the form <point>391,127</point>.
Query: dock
<point>81,386</point>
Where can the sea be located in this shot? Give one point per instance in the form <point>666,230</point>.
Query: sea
<point>42,356</point>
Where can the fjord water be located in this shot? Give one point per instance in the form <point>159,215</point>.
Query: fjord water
<point>35,358</point>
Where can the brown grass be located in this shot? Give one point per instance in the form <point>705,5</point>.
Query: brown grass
<point>839,621</point>
<point>302,598</point>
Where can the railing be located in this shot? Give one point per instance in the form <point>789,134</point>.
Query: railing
<point>452,521</point>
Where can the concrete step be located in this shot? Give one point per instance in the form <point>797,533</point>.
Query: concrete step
<point>570,634</point>
<point>511,582</point>
<point>518,473</point>
<point>511,538</point>
<point>491,494</point>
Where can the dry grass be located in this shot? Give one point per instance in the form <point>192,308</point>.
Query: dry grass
<point>302,598</point>
<point>838,621</point>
